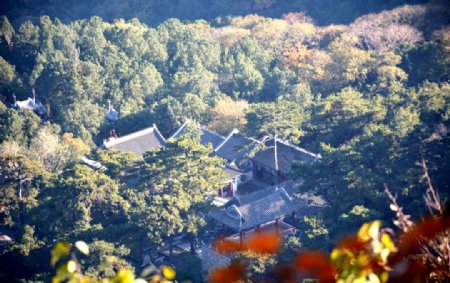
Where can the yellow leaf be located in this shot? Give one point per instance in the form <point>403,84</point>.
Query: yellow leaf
<point>363,233</point>
<point>374,229</point>
<point>387,242</point>
<point>123,276</point>
<point>361,279</point>
<point>335,254</point>
<point>82,247</point>
<point>373,278</point>
<point>71,266</point>
<point>377,246</point>
<point>168,272</point>
<point>384,255</point>
<point>384,276</point>
<point>60,250</point>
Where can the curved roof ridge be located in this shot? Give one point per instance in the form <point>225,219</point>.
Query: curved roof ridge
<point>317,155</point>
<point>158,133</point>
<point>234,131</point>
<point>235,209</point>
<point>179,130</point>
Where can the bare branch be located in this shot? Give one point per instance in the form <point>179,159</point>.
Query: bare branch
<point>431,196</point>
<point>403,221</point>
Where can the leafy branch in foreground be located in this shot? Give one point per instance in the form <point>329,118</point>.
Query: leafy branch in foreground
<point>433,253</point>
<point>420,254</point>
<point>69,269</point>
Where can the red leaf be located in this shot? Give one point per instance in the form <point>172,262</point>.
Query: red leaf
<point>264,243</point>
<point>315,263</point>
<point>230,273</point>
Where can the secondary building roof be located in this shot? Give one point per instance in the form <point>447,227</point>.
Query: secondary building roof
<point>207,136</point>
<point>137,142</point>
<point>235,147</point>
<point>292,188</point>
<point>286,153</point>
<point>261,211</point>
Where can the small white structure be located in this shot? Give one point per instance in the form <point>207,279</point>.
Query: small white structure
<point>112,115</point>
<point>30,104</point>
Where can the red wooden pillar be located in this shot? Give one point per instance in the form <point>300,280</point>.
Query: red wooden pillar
<point>293,221</point>
<point>230,190</point>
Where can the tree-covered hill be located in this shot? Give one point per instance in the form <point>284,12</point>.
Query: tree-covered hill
<point>156,11</point>
<point>181,70</point>
<point>372,96</point>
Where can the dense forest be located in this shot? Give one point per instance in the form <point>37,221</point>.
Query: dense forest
<point>153,13</point>
<point>366,87</point>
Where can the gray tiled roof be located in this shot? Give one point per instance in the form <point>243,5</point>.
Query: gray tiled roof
<point>235,147</point>
<point>137,142</point>
<point>206,137</point>
<point>305,202</point>
<point>290,187</point>
<point>287,153</point>
<point>209,136</point>
<point>271,207</point>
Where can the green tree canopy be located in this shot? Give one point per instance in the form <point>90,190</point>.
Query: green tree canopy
<point>176,185</point>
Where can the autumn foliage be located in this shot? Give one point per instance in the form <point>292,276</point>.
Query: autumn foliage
<point>269,242</point>
<point>369,256</point>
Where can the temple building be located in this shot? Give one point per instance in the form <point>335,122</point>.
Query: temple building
<point>274,208</point>
<point>239,221</point>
